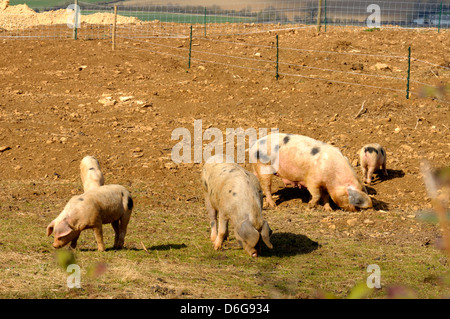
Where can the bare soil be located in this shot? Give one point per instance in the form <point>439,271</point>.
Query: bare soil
<point>56,107</point>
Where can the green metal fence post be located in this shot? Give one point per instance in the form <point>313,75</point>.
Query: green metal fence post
<point>440,15</point>
<point>75,23</point>
<point>409,72</point>
<point>204,21</point>
<point>277,75</point>
<point>190,48</point>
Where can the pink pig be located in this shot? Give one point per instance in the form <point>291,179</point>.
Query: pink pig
<point>234,194</point>
<point>371,157</point>
<point>108,204</point>
<point>91,175</point>
<point>305,162</point>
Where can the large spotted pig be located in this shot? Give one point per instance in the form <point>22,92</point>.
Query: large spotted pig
<point>371,157</point>
<point>305,162</point>
<point>91,175</point>
<point>108,204</point>
<point>234,194</point>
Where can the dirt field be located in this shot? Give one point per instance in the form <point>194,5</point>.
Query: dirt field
<point>61,100</point>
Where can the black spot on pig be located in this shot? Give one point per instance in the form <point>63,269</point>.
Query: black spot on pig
<point>261,156</point>
<point>315,150</point>
<point>213,224</point>
<point>276,148</point>
<point>234,194</point>
<point>370,149</point>
<point>81,199</point>
<point>91,168</point>
<point>130,203</point>
<point>286,139</point>
<point>263,141</point>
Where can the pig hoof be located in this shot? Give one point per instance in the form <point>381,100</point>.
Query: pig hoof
<point>311,205</point>
<point>270,205</point>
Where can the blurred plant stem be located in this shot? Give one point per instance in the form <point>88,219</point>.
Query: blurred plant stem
<point>439,200</point>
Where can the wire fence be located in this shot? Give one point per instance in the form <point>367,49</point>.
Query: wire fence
<point>193,33</point>
<point>230,17</point>
<point>378,71</point>
<point>23,22</point>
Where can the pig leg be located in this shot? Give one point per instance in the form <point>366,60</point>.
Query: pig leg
<point>73,243</point>
<point>266,185</point>
<point>383,165</point>
<point>222,232</point>
<point>212,213</point>
<point>370,172</point>
<point>123,224</point>
<point>364,171</point>
<point>115,225</point>
<point>98,232</point>
<point>315,195</point>
<point>326,201</point>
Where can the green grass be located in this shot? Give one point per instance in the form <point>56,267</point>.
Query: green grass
<point>143,15</point>
<point>168,254</point>
<point>47,3</point>
<point>183,18</point>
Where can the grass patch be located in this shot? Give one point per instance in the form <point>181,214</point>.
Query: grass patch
<point>168,254</point>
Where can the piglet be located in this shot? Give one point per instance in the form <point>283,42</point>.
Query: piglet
<point>108,204</point>
<point>234,194</point>
<point>371,157</point>
<point>305,162</point>
<point>91,175</point>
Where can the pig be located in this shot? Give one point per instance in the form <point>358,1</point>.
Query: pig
<point>371,157</point>
<point>107,204</point>
<point>305,162</point>
<point>234,194</point>
<point>91,175</point>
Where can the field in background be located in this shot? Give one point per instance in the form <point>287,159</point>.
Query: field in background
<point>411,14</point>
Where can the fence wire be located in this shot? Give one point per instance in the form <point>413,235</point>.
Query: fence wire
<point>165,29</point>
<point>378,71</point>
<point>222,18</point>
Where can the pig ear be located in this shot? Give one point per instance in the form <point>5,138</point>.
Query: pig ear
<point>266,232</point>
<point>248,233</point>
<point>63,229</point>
<point>358,198</point>
<point>50,228</point>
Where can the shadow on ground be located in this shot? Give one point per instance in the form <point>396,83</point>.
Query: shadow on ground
<point>289,244</point>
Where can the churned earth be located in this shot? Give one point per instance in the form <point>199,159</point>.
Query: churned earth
<point>63,99</point>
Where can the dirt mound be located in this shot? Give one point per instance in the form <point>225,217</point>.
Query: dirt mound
<point>19,9</point>
<point>21,16</point>
<point>4,4</point>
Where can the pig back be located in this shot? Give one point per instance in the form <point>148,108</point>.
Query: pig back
<point>108,201</point>
<point>232,189</point>
<point>304,160</point>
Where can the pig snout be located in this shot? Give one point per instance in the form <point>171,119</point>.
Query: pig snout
<point>254,251</point>
<point>59,243</point>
